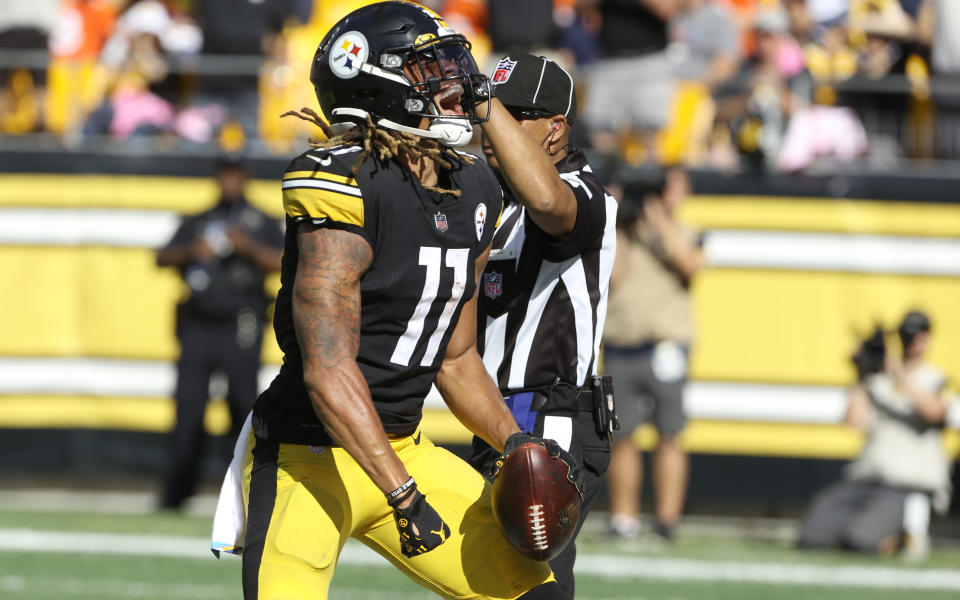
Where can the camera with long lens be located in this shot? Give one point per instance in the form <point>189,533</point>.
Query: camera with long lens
<point>870,356</point>
<point>638,185</point>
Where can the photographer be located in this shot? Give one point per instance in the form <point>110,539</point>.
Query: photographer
<point>884,501</point>
<point>647,341</point>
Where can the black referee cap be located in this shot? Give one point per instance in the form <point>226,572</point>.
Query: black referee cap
<point>535,84</point>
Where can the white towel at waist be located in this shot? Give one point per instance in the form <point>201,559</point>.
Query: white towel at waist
<point>230,520</point>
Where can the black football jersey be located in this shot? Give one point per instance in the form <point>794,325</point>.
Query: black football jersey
<point>425,245</point>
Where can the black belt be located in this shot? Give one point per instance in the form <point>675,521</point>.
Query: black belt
<point>560,397</point>
<point>570,400</point>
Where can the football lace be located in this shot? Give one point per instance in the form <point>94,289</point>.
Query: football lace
<point>538,528</point>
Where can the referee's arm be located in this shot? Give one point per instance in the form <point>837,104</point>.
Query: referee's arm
<point>522,154</point>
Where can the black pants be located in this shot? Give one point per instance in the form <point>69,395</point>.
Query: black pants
<point>207,347</point>
<point>592,453</point>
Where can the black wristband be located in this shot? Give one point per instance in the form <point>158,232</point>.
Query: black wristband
<point>400,494</point>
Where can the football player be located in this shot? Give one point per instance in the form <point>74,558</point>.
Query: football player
<point>388,229</point>
<point>544,292</point>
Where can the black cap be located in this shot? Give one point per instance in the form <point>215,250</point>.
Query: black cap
<point>914,322</point>
<point>535,83</point>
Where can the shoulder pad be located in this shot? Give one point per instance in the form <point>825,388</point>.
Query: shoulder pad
<point>461,154</point>
<point>318,186</point>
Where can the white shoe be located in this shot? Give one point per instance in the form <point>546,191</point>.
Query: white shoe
<point>624,526</point>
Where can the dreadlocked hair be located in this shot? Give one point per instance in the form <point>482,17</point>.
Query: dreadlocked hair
<point>383,143</point>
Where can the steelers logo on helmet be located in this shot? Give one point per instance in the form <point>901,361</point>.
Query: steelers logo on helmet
<point>348,54</point>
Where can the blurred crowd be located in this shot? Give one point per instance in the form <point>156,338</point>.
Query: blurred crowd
<point>729,84</point>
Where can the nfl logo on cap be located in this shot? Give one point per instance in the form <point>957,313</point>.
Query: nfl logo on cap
<point>503,70</point>
<point>440,220</point>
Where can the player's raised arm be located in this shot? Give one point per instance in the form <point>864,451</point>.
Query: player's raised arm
<point>466,386</point>
<point>326,316</point>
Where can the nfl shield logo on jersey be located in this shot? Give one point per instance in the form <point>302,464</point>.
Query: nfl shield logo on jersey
<point>440,220</point>
<point>492,285</point>
<point>503,71</point>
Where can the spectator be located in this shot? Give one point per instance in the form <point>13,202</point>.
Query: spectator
<point>758,103</point>
<point>820,29</point>
<point>536,26</point>
<point>520,26</point>
<point>886,31</point>
<point>945,47</point>
<point>704,56</point>
<point>631,87</point>
<point>19,105</point>
<point>141,92</point>
<point>73,88</point>
<point>647,341</point>
<point>902,470</point>
<point>239,28</point>
<point>130,109</point>
<point>223,255</point>
<point>171,32</point>
<point>703,43</point>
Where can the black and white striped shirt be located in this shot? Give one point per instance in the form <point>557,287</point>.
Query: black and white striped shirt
<point>543,300</point>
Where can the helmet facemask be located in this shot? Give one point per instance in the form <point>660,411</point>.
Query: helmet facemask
<point>444,82</point>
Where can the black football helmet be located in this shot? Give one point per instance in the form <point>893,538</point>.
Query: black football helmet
<point>399,63</point>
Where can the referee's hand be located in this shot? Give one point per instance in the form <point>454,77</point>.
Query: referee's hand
<point>421,528</point>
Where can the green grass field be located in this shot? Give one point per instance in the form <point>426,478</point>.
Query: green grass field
<point>99,556</point>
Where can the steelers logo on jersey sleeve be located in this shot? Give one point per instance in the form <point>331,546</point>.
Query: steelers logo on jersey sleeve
<point>480,219</point>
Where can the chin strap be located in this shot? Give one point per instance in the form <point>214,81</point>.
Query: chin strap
<point>452,132</point>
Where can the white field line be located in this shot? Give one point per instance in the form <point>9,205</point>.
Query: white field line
<point>678,569</point>
<point>111,588</point>
<point>613,566</point>
<point>81,542</point>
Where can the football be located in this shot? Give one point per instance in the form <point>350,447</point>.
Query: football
<point>535,503</point>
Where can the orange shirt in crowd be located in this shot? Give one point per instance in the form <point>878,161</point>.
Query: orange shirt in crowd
<point>82,28</point>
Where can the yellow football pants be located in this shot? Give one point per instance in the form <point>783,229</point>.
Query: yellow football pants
<point>305,501</point>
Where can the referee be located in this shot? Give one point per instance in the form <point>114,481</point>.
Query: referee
<point>543,294</point>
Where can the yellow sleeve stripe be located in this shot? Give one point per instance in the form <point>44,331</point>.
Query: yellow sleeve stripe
<point>317,203</point>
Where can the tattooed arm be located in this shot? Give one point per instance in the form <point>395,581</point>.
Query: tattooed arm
<point>465,385</point>
<point>326,316</point>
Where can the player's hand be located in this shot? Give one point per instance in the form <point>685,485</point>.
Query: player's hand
<point>553,448</point>
<point>483,93</point>
<point>421,528</point>
<point>483,88</point>
<point>240,239</point>
<point>201,251</point>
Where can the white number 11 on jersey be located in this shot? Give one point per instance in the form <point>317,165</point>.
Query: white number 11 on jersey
<point>430,257</point>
